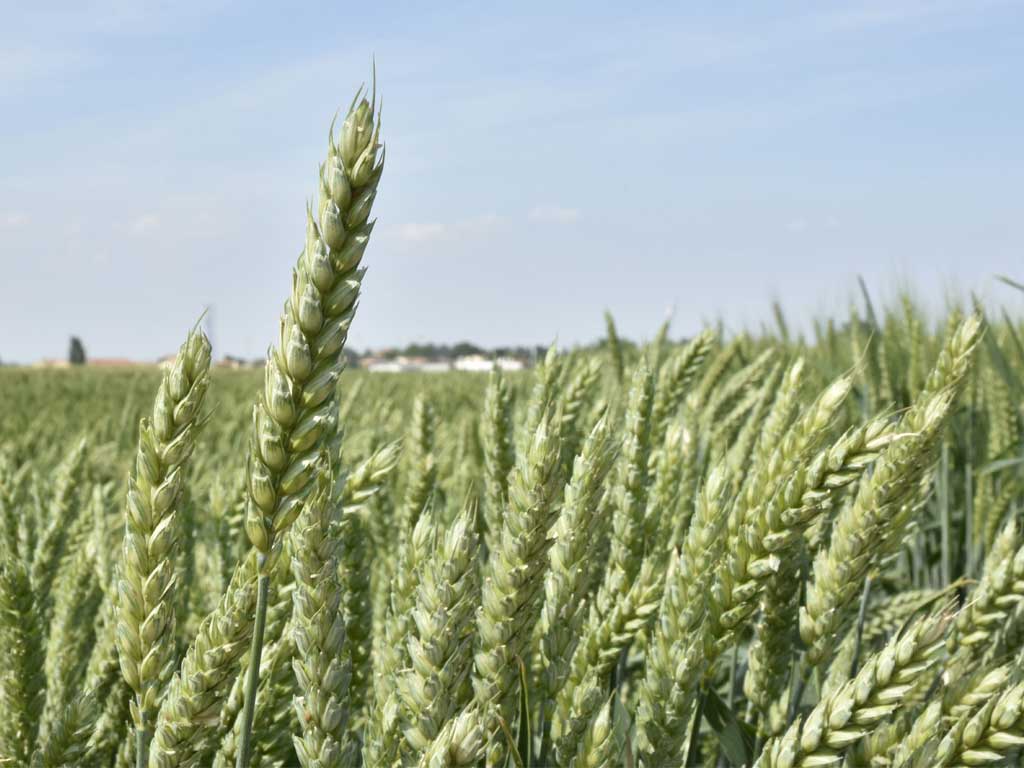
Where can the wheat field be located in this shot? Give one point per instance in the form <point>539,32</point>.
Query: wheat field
<point>719,549</point>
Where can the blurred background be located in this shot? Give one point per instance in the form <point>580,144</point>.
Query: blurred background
<point>543,164</point>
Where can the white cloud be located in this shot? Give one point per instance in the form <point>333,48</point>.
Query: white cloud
<point>801,224</point>
<point>555,214</point>
<point>416,232</point>
<point>145,223</point>
<point>478,224</point>
<point>420,233</point>
<point>14,220</point>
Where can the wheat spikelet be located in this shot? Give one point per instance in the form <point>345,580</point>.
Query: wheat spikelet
<point>615,354</point>
<point>543,396</point>
<point>49,549</point>
<point>675,379</point>
<point>146,574</point>
<point>459,744</point>
<point>513,584</point>
<point>629,500</point>
<point>9,523</point>
<point>910,740</point>
<point>674,655</point>
<point>67,746</point>
<point>739,439</point>
<point>113,696</point>
<point>499,453</point>
<point>770,654</point>
<point>717,367</point>
<point>383,738</point>
<point>294,417</point>
<point>572,409</point>
<point>603,641</point>
<point>71,635</point>
<point>765,531</point>
<point>846,716</point>
<point>190,711</point>
<point>422,465</point>
<point>22,680</point>
<point>891,613</point>
<point>992,507</point>
<point>993,601</point>
<point>783,411</point>
<point>662,518</point>
<point>602,744</point>
<point>867,529</point>
<point>367,480</point>
<point>440,647</point>
<point>565,586</point>
<point>321,664</point>
<point>988,736</point>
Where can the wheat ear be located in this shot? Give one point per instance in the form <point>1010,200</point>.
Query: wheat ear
<point>846,716</point>
<point>321,663</point>
<point>295,418</point>
<point>440,650</point>
<point>513,584</point>
<point>146,573</point>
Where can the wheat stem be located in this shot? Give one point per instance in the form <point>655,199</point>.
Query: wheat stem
<point>253,675</point>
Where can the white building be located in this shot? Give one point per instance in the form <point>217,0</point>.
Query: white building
<point>481,364</point>
<point>384,366</point>
<point>403,364</point>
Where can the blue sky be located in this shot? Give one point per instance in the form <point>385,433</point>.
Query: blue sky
<point>545,161</point>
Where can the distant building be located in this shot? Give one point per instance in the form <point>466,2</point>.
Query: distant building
<point>378,363</point>
<point>230,361</point>
<point>482,364</point>
<point>112,362</point>
<point>434,366</point>
<point>404,364</point>
<point>381,365</point>
<point>94,362</point>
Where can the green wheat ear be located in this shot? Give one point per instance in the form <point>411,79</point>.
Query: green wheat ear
<point>435,689</point>
<point>322,663</point>
<point>146,574</point>
<point>294,417</point>
<point>862,703</point>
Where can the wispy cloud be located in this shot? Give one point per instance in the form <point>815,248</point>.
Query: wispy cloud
<point>414,232</point>
<point>555,214</point>
<point>800,224</point>
<point>14,220</point>
<point>145,223</point>
<point>18,64</point>
<point>479,225</point>
<point>475,226</point>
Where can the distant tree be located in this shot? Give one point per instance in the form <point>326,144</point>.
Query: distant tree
<point>464,348</point>
<point>76,355</point>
